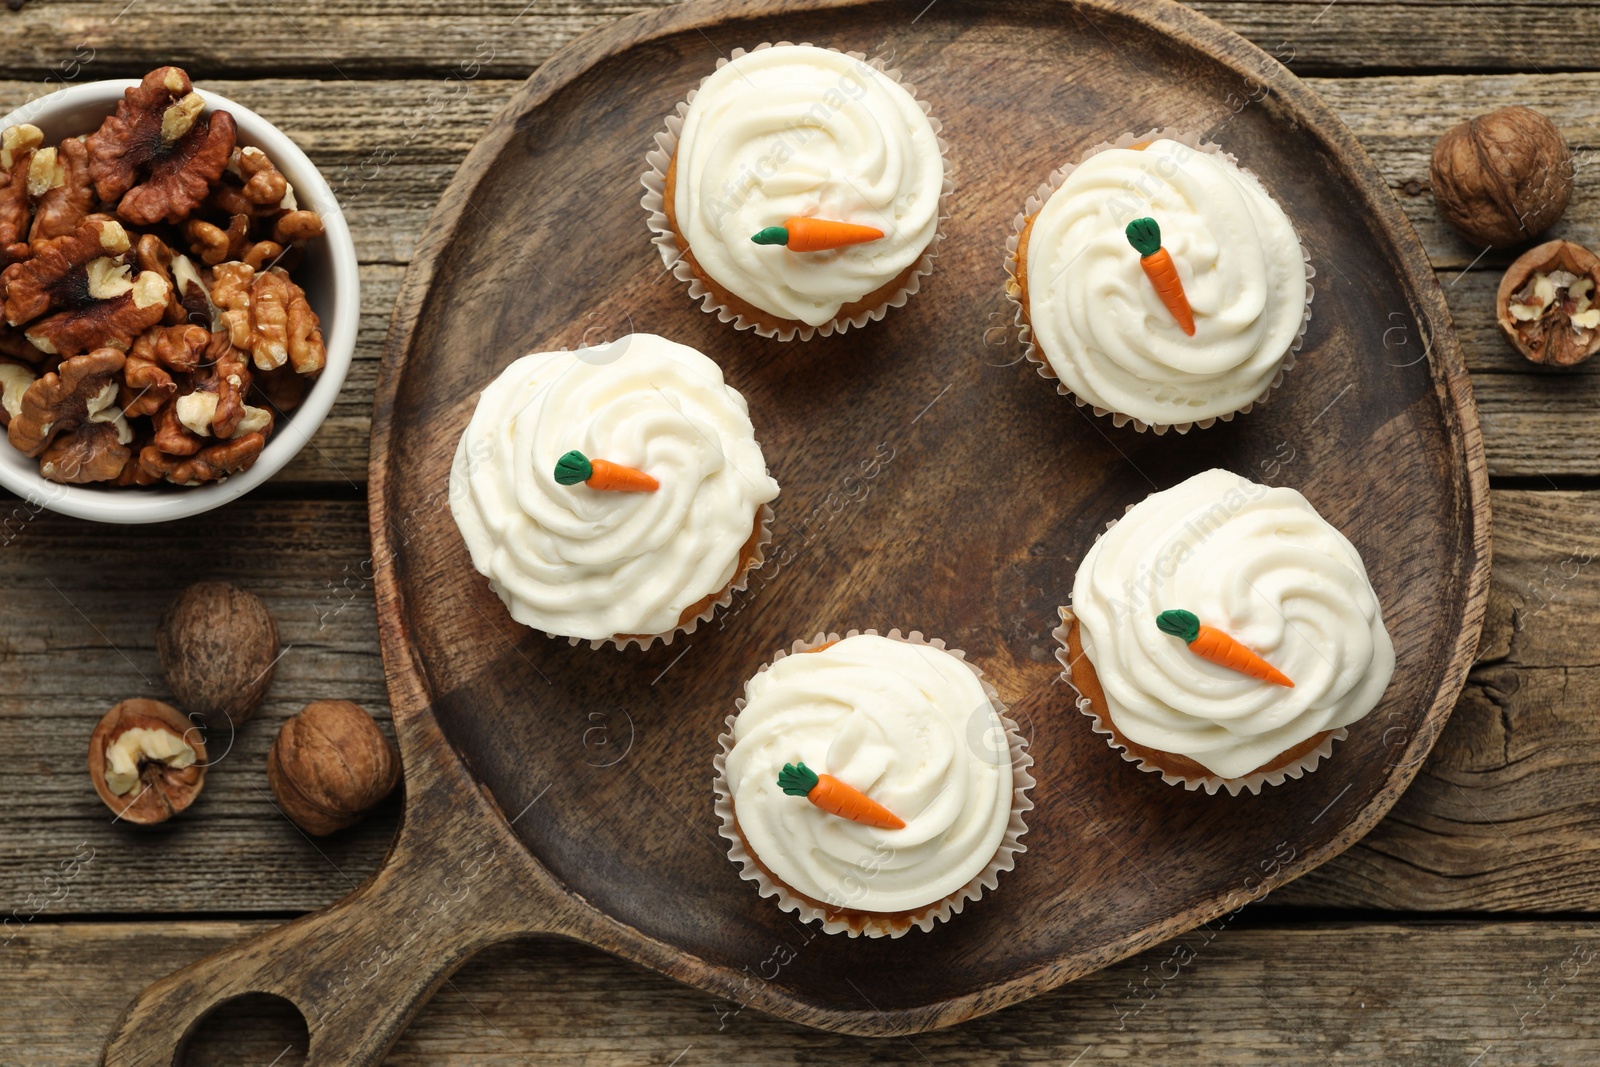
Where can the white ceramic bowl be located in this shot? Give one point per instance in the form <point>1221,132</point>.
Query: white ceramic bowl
<point>327,273</point>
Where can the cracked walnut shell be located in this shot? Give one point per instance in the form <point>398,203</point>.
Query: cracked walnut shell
<point>1546,304</point>
<point>147,761</point>
<point>330,765</point>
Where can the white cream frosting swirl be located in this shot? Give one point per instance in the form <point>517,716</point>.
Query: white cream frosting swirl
<point>578,562</point>
<point>909,725</point>
<point>1098,320</point>
<point>799,130</point>
<point>1260,564</point>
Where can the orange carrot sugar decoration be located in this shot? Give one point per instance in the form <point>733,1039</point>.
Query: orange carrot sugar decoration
<point>575,467</point>
<point>1145,237</point>
<point>801,234</point>
<point>1210,643</point>
<point>836,798</point>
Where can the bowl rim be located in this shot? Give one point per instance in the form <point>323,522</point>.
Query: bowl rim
<point>160,504</point>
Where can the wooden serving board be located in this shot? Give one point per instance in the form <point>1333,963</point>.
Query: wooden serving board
<point>931,480</point>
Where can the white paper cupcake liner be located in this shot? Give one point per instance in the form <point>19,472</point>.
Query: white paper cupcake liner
<point>925,918</point>
<point>740,582</point>
<point>1025,332</point>
<point>654,180</point>
<point>1210,783</point>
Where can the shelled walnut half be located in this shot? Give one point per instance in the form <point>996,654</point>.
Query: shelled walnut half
<point>85,290</point>
<point>82,390</point>
<point>147,761</point>
<point>159,155</point>
<point>1547,306</point>
<point>17,147</point>
<point>14,382</point>
<point>59,185</point>
<point>266,314</point>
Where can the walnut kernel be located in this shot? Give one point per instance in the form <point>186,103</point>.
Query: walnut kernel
<point>185,405</point>
<point>159,155</point>
<point>147,761</point>
<point>81,390</point>
<point>1546,304</point>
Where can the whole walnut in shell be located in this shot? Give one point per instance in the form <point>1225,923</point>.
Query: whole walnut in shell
<point>1502,178</point>
<point>329,765</point>
<point>218,646</point>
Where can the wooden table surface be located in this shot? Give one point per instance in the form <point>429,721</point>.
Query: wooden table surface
<point>1459,932</point>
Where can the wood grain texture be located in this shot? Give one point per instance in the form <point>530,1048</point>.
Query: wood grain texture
<point>367,38</point>
<point>1514,832</point>
<point>1497,820</point>
<point>87,642</point>
<point>391,146</point>
<point>623,862</point>
<point>1244,994</point>
<point>1500,804</point>
<point>310,555</point>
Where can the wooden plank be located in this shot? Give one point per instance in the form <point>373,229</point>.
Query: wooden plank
<point>1501,815</point>
<point>1537,421</point>
<point>1421,35</point>
<point>1399,118</point>
<point>391,156</point>
<point>1498,819</point>
<point>1240,992</point>
<point>87,640</point>
<point>367,38</point>
<point>388,147</point>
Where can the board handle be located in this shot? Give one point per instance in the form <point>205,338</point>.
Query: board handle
<point>360,969</point>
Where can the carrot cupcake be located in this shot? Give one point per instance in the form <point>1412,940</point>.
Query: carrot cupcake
<point>1159,283</point>
<point>1223,634</point>
<point>614,493</point>
<point>797,191</point>
<point>873,783</point>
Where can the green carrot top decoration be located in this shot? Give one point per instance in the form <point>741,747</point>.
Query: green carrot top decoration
<point>835,797</point>
<point>575,467</point>
<point>1210,643</point>
<point>1145,237</point>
